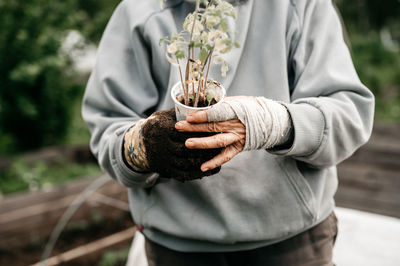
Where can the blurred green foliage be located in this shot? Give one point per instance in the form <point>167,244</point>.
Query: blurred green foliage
<point>34,77</point>
<point>38,84</point>
<point>371,23</point>
<point>114,258</point>
<point>367,15</point>
<point>36,175</point>
<point>379,68</point>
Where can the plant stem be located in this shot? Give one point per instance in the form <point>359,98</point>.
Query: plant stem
<point>208,67</point>
<point>186,85</point>
<point>180,74</point>
<point>193,84</point>
<point>188,64</point>
<point>196,101</point>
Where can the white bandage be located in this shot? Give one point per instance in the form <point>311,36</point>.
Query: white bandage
<point>267,122</point>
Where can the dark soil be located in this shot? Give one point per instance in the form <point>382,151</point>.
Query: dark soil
<point>167,153</point>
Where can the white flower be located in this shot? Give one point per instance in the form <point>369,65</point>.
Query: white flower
<point>220,45</point>
<point>219,38</point>
<point>211,21</point>
<point>198,28</point>
<point>172,48</point>
<point>216,34</point>
<point>188,25</point>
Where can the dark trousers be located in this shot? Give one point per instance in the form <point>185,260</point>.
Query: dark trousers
<point>310,248</point>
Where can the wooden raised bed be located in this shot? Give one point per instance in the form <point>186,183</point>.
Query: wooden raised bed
<point>370,179</point>
<point>88,254</point>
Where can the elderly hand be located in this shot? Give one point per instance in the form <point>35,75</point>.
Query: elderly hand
<point>232,137</point>
<point>245,123</point>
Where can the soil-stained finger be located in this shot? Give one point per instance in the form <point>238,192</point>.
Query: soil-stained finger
<point>225,126</point>
<point>216,141</point>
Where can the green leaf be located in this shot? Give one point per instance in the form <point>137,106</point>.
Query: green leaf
<point>209,47</point>
<point>203,55</point>
<point>227,41</point>
<point>233,14</point>
<point>209,98</point>
<point>191,44</point>
<point>209,95</point>
<point>223,26</point>
<point>180,54</point>
<point>174,36</point>
<point>226,50</point>
<point>164,39</point>
<point>199,44</point>
<point>237,45</point>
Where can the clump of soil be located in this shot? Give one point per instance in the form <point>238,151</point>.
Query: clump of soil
<point>166,151</point>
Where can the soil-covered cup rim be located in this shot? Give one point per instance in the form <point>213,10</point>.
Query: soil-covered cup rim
<point>173,96</point>
<point>182,111</point>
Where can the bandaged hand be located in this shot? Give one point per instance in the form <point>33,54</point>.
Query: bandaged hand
<point>245,123</point>
<point>153,144</point>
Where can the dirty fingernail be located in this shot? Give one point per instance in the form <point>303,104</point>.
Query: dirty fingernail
<point>179,125</point>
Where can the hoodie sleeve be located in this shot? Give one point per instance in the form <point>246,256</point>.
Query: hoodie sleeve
<point>120,91</point>
<point>331,110</point>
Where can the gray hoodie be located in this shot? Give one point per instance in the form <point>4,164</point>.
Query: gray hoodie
<point>291,51</point>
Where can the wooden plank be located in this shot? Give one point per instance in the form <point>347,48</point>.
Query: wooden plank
<point>27,199</point>
<point>52,203</point>
<point>368,188</point>
<point>387,131</point>
<point>94,248</point>
<point>377,156</point>
<point>20,224</point>
<point>40,227</point>
<point>353,198</point>
<point>369,177</point>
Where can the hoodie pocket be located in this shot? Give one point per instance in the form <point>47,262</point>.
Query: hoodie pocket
<point>299,185</point>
